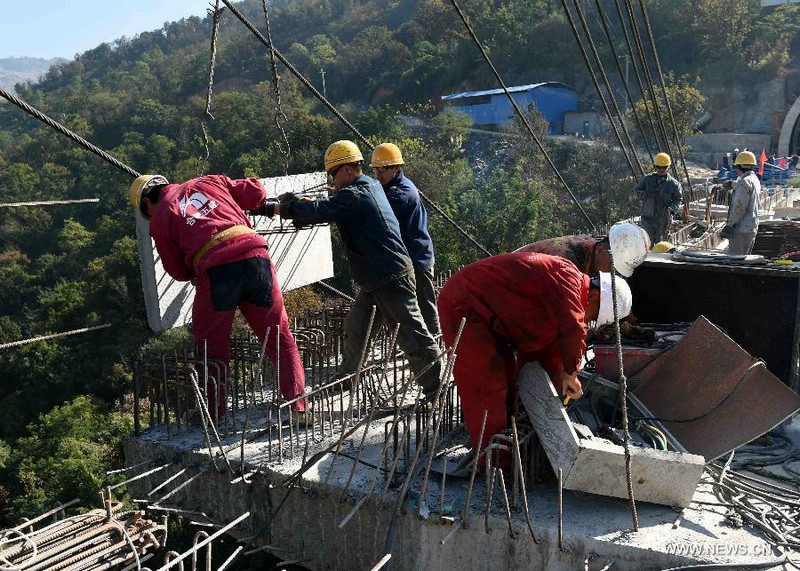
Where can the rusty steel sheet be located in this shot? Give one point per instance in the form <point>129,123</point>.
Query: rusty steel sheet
<point>709,381</point>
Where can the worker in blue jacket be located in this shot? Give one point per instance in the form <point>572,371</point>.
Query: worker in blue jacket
<point>379,262</point>
<point>387,164</point>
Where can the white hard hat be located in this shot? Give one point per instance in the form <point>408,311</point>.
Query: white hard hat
<point>624,299</point>
<point>629,246</point>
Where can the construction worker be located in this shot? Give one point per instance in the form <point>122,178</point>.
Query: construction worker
<point>661,195</point>
<point>520,307</point>
<point>379,262</point>
<point>202,234</point>
<point>742,224</point>
<point>387,164</point>
<point>628,243</point>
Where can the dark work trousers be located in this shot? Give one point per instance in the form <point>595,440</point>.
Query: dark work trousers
<point>396,302</point>
<point>250,285</point>
<point>426,298</point>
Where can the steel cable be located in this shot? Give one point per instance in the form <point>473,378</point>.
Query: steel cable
<point>607,32</point>
<point>667,103</point>
<point>520,114</point>
<point>67,133</point>
<point>341,117</point>
<point>611,95</point>
<point>286,154</point>
<point>636,72</point>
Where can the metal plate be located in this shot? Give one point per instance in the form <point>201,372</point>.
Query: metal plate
<point>706,375</point>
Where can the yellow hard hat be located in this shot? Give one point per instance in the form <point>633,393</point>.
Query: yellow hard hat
<point>745,159</point>
<point>662,160</point>
<point>141,184</point>
<point>342,153</point>
<point>386,155</point>
<point>663,248</point>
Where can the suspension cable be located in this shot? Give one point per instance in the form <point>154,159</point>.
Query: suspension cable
<point>53,336</point>
<point>49,202</point>
<point>603,74</point>
<point>668,104</point>
<point>341,118</point>
<point>520,114</point>
<point>279,114</point>
<point>649,78</point>
<point>585,56</point>
<point>67,133</point>
<point>215,14</point>
<point>636,72</point>
<point>610,40</point>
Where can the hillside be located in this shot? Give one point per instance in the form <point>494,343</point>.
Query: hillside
<point>15,70</point>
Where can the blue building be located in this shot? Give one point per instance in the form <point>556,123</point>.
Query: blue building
<point>492,107</point>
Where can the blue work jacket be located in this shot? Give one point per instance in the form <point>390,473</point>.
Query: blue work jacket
<point>368,227</point>
<point>413,219</point>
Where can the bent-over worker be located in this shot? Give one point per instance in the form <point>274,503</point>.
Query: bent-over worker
<point>202,234</point>
<point>520,307</point>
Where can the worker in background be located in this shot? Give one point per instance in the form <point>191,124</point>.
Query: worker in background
<point>202,234</point>
<point>742,224</point>
<point>520,307</point>
<point>387,164</point>
<point>628,243</point>
<point>379,262</point>
<point>661,195</point>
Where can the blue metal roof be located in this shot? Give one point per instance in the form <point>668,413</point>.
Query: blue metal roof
<point>515,89</point>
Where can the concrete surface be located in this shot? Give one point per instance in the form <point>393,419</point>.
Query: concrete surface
<point>303,522</point>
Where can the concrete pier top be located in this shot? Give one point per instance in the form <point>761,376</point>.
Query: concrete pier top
<point>342,513</point>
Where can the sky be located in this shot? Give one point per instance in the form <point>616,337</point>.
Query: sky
<point>64,28</point>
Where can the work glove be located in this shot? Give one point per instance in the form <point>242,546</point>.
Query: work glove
<point>287,201</point>
<point>727,231</point>
<point>266,209</point>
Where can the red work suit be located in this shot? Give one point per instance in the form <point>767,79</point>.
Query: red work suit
<point>187,216</point>
<point>519,307</point>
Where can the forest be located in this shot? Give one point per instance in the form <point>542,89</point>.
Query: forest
<point>65,402</point>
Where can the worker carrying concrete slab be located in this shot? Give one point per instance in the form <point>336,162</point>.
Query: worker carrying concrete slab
<point>379,262</point>
<point>202,234</point>
<point>628,243</point>
<point>387,165</point>
<point>661,195</point>
<point>742,224</point>
<point>520,307</point>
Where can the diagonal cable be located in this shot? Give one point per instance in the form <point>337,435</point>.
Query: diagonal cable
<point>520,114</point>
<point>67,133</point>
<point>342,118</point>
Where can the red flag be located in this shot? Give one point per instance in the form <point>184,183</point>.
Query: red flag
<point>782,162</point>
<point>761,160</point>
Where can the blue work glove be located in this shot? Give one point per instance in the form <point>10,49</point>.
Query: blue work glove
<point>727,231</point>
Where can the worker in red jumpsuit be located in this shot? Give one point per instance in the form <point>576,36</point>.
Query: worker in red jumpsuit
<point>520,307</point>
<point>202,234</point>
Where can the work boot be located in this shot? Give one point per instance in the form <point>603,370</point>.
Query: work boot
<point>302,418</point>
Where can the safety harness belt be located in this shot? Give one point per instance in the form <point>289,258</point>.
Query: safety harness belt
<point>218,238</point>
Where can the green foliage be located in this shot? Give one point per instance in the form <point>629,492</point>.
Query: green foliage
<point>686,102</point>
<point>65,455</point>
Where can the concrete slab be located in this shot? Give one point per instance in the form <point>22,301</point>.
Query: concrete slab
<point>597,466</point>
<point>305,521</point>
<point>301,257</point>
